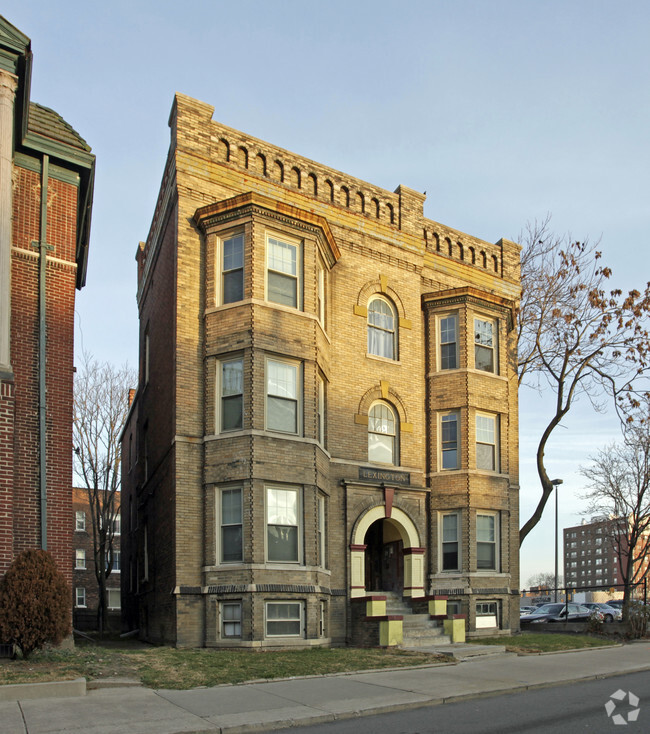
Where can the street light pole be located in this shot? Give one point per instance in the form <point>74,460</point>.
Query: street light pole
<point>556,483</point>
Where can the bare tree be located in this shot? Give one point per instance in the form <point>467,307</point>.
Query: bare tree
<point>100,409</point>
<point>619,488</point>
<point>575,337</point>
<point>545,580</point>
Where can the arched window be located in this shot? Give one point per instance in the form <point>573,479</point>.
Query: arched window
<point>382,335</point>
<point>382,434</point>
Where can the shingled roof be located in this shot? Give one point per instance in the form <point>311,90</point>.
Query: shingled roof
<point>48,123</point>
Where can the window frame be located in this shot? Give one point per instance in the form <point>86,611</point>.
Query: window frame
<point>321,400</point>
<point>236,622</point>
<point>443,418</point>
<point>321,531</point>
<point>221,555</point>
<point>395,434</point>
<point>297,399</point>
<point>494,347</point>
<point>80,593</point>
<point>220,398</point>
<point>443,542</point>
<point>108,596</point>
<point>487,609</point>
<point>381,330</point>
<point>220,289</point>
<point>321,293</point>
<point>79,559</point>
<point>441,344</point>
<point>80,521</point>
<point>116,558</point>
<point>297,245</point>
<point>495,543</point>
<point>496,451</point>
<point>299,618</point>
<point>298,525</point>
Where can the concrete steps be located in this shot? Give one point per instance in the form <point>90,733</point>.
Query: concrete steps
<point>419,630</point>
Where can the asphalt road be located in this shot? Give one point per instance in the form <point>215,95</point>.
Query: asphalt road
<point>578,707</point>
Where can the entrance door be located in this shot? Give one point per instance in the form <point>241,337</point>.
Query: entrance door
<point>384,558</point>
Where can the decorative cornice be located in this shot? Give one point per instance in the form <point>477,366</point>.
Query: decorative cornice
<point>472,296</point>
<point>212,214</point>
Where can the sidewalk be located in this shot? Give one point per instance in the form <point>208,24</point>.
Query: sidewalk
<point>271,705</point>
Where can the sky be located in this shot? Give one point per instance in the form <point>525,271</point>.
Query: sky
<point>504,111</point>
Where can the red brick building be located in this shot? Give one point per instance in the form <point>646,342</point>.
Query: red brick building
<point>85,591</point>
<point>46,188</point>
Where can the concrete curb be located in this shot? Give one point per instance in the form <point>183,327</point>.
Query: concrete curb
<point>51,689</point>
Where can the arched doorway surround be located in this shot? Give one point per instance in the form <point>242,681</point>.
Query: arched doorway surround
<point>400,523</point>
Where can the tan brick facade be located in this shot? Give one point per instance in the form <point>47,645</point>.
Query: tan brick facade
<point>306,339</point>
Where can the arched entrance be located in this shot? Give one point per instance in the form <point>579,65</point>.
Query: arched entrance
<point>384,557</point>
<point>386,554</point>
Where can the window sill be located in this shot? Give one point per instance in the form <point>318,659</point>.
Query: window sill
<point>385,360</point>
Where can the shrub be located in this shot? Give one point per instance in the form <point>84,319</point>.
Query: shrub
<point>34,602</point>
<point>638,619</point>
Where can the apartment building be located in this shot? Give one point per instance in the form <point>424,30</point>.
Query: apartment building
<point>326,408</point>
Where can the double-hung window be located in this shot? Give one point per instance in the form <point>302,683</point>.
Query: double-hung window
<point>231,619</point>
<point>382,434</point>
<point>487,442</point>
<point>231,549</point>
<point>282,525</point>
<point>321,532</point>
<point>282,396</point>
<point>382,335</point>
<point>231,389</point>
<point>283,272</point>
<point>450,541</point>
<point>80,559</point>
<point>113,598</point>
<point>80,520</point>
<point>80,596</point>
<point>448,330</point>
<point>485,341</point>
<point>486,541</point>
<point>283,619</point>
<point>449,440</point>
<point>232,269</point>
<point>320,295</point>
<point>320,412</point>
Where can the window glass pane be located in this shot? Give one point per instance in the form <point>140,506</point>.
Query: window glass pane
<point>380,343</point>
<point>381,419</point>
<point>281,379</point>
<point>281,415</point>
<point>380,314</point>
<point>283,619</point>
<point>282,256</point>
<point>231,506</point>
<point>485,527</point>
<point>483,332</point>
<point>449,556</point>
<point>448,330</point>
<point>380,448</point>
<point>231,539</point>
<point>232,413</point>
<point>484,345</point>
<point>232,378</point>
<point>233,253</point>
<point>448,357</point>
<point>282,506</point>
<point>283,289</point>
<point>449,429</point>
<point>485,457</point>
<point>449,528</point>
<point>485,429</point>
<point>282,543</point>
<point>485,555</point>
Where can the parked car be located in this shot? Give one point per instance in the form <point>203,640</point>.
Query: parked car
<point>558,613</point>
<point>610,613</point>
<point>526,610</point>
<point>616,603</point>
